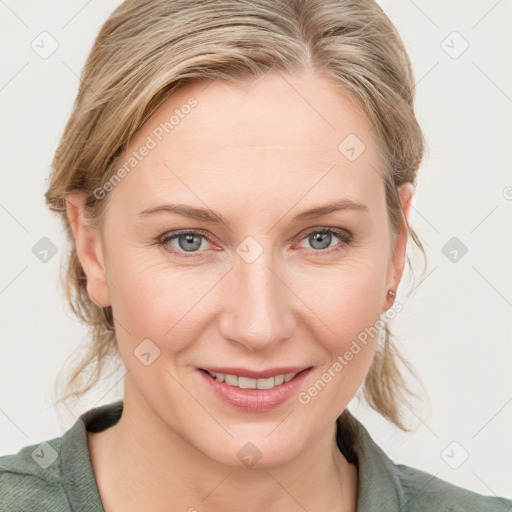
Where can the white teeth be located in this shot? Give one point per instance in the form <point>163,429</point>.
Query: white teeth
<point>248,383</point>
<point>266,383</point>
<point>232,380</point>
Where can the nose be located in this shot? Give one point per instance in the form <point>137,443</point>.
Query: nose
<point>259,311</point>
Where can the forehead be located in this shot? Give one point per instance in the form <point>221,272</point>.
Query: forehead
<point>280,137</point>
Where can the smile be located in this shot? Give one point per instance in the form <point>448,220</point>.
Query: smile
<point>248,383</point>
<point>259,392</point>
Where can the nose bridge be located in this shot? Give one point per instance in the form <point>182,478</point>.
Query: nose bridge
<point>259,313</point>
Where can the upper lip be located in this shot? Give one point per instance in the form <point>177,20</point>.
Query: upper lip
<point>251,374</point>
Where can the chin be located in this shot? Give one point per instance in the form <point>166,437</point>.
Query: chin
<point>253,451</point>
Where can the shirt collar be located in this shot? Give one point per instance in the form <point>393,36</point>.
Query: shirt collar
<point>379,488</point>
<point>77,469</point>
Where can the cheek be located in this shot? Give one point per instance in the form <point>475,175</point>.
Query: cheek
<point>346,298</point>
<point>345,306</point>
<point>154,299</point>
<point>167,303</point>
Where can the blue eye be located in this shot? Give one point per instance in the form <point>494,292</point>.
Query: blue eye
<point>189,242</point>
<point>320,239</point>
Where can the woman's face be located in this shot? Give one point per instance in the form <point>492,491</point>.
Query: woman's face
<point>262,292</point>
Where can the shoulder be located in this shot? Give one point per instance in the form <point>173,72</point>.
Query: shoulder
<point>386,486</point>
<point>56,475</point>
<point>425,492</point>
<point>31,479</point>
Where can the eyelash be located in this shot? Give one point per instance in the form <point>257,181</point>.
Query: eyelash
<point>344,235</point>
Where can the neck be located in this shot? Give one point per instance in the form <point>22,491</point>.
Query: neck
<point>145,465</point>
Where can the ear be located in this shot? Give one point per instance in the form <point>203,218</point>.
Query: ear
<point>89,249</point>
<point>396,268</point>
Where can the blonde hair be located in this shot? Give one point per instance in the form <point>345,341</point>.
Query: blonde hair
<point>147,49</point>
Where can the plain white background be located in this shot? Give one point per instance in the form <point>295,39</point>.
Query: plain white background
<point>456,327</point>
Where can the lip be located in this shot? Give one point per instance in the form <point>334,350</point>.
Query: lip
<point>255,400</point>
<point>251,374</point>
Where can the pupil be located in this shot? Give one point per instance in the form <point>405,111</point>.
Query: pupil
<point>189,239</point>
<point>320,238</point>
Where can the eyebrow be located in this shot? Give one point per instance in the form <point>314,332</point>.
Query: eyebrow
<point>209,216</point>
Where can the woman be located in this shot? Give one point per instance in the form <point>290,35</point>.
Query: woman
<point>236,180</point>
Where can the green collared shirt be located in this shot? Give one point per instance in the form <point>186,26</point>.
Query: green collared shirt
<point>57,476</point>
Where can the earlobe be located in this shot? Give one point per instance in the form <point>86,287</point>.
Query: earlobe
<point>89,249</point>
<point>405,192</point>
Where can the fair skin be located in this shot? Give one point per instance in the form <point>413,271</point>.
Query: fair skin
<point>258,156</point>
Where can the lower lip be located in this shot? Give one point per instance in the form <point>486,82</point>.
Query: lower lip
<point>255,400</point>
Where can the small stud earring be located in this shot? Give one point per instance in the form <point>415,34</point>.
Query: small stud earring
<point>391,293</point>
